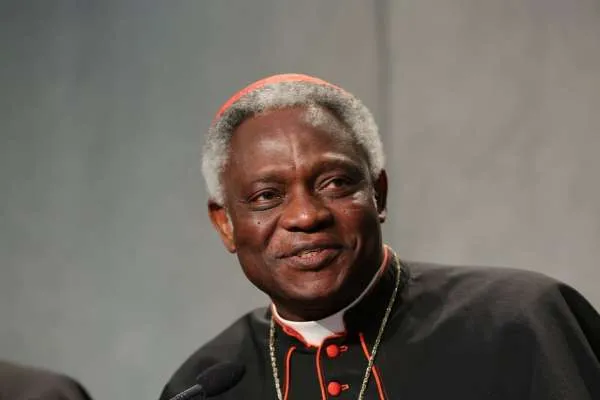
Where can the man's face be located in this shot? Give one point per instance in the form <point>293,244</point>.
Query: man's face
<point>302,212</point>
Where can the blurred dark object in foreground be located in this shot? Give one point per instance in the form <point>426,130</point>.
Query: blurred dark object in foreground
<point>19,382</point>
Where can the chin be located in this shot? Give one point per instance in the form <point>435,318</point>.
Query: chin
<point>322,294</point>
<point>312,296</point>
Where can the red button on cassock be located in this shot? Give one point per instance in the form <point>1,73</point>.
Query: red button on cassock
<point>332,351</point>
<point>334,388</point>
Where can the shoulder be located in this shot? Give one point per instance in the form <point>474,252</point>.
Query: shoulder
<point>474,281</point>
<point>24,382</point>
<point>490,292</point>
<point>492,305</point>
<point>236,343</point>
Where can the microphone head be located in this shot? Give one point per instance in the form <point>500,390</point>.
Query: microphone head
<point>220,377</point>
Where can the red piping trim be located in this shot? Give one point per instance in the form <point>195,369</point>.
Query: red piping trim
<point>288,359</point>
<point>375,373</point>
<point>319,372</point>
<point>290,331</point>
<point>320,375</point>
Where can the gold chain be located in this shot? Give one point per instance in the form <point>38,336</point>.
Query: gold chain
<point>363,387</point>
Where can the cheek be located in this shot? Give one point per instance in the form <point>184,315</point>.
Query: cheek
<point>361,210</point>
<point>252,232</point>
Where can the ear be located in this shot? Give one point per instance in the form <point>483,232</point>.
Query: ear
<point>381,189</point>
<point>222,223</point>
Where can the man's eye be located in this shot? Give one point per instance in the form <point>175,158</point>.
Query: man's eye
<point>264,200</point>
<point>265,196</point>
<point>337,183</point>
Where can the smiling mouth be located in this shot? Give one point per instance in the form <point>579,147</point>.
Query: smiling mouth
<point>313,259</point>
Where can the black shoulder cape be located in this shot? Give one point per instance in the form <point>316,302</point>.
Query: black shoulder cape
<point>463,333</point>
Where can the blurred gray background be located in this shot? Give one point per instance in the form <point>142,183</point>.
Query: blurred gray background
<point>110,271</point>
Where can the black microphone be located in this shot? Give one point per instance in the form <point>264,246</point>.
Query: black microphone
<point>215,380</point>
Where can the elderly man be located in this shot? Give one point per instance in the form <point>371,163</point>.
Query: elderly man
<point>295,171</point>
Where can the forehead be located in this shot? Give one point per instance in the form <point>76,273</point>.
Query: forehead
<point>300,125</point>
<point>290,138</point>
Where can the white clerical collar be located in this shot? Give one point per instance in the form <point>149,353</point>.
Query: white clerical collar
<point>315,332</point>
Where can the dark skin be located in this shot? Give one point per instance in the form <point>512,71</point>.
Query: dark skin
<point>302,213</point>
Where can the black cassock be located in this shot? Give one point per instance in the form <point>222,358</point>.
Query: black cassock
<point>455,333</point>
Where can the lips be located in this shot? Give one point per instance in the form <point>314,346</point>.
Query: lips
<point>312,256</point>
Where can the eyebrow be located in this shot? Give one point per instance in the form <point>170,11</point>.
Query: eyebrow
<point>331,162</point>
<point>334,161</point>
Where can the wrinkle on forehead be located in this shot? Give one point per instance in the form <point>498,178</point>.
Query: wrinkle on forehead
<point>288,130</point>
<point>313,115</point>
<point>320,117</point>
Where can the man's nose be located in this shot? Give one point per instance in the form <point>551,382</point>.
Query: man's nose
<point>306,212</point>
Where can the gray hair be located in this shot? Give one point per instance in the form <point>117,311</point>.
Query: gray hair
<point>350,111</point>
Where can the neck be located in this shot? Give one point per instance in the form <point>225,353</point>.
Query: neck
<point>306,313</point>
<point>302,312</point>
<point>314,331</point>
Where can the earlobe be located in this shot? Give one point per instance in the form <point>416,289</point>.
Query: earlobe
<point>222,223</point>
<point>381,189</point>
<point>382,216</point>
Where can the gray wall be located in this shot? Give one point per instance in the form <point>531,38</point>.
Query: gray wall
<point>110,271</point>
